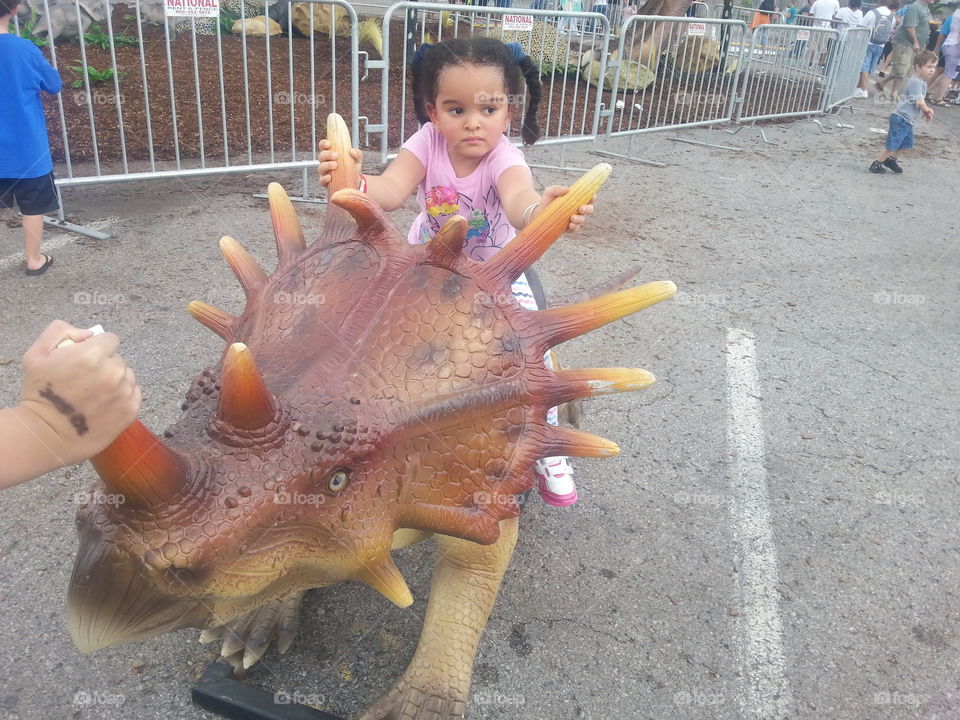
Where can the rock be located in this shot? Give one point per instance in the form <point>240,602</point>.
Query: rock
<point>321,19</point>
<point>256,26</point>
<point>697,54</point>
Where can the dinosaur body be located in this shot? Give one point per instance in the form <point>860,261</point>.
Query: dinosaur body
<point>371,393</point>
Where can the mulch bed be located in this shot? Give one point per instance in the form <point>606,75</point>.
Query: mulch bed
<point>292,106</point>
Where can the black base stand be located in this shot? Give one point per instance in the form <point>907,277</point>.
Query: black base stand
<point>219,693</point>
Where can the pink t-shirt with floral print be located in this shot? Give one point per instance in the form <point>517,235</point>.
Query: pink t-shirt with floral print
<point>442,194</point>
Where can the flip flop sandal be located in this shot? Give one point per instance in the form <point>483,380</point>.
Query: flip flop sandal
<point>48,261</point>
<point>939,103</point>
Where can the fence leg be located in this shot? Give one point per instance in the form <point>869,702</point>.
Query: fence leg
<point>628,156</point>
<point>714,145</point>
<point>60,223</point>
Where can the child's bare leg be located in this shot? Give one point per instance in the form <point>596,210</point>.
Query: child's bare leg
<point>886,154</point>
<point>32,235</point>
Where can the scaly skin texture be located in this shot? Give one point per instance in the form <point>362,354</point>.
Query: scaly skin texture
<point>371,393</point>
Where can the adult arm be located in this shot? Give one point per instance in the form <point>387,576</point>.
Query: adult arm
<point>74,401</point>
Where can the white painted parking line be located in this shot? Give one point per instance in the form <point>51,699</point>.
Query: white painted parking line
<point>50,243</point>
<point>767,695</point>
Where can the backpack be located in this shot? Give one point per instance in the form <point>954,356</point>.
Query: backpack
<point>882,28</point>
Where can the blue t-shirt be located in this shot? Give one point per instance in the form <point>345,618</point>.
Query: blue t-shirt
<point>24,145</point>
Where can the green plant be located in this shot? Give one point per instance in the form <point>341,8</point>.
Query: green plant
<point>95,35</point>
<point>226,20</point>
<point>26,30</point>
<point>94,76</point>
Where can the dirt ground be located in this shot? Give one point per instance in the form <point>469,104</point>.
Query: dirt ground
<point>636,602</point>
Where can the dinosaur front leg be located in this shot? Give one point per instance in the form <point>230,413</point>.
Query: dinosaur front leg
<point>436,684</point>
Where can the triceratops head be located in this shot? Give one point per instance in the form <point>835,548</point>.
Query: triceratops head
<point>369,385</point>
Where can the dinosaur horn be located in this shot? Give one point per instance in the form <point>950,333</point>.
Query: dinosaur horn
<point>138,467</point>
<point>448,242</point>
<point>382,575</point>
<point>248,272</point>
<point>245,401</point>
<point>569,385</point>
<point>564,441</point>
<point>347,173</point>
<point>533,241</point>
<point>214,318</point>
<point>367,214</point>
<point>286,225</point>
<point>560,324</point>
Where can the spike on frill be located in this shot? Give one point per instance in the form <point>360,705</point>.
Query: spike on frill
<point>534,240</point>
<point>365,212</point>
<point>447,244</point>
<point>564,441</point>
<point>570,385</point>
<point>286,224</point>
<point>213,318</point>
<point>382,575</point>
<point>248,272</point>
<point>245,401</point>
<point>138,467</point>
<point>560,324</point>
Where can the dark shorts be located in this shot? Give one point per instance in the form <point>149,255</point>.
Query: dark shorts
<point>899,134</point>
<point>34,196</point>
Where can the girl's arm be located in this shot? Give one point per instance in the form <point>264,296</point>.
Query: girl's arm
<point>389,190</point>
<point>517,196</point>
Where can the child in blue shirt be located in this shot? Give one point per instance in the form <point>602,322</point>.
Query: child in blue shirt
<point>26,170</point>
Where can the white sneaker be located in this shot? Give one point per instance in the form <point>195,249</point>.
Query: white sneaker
<point>862,94</point>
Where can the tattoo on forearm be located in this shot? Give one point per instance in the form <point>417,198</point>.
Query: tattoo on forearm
<point>78,421</point>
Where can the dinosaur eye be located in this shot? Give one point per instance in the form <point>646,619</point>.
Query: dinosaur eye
<point>339,480</point>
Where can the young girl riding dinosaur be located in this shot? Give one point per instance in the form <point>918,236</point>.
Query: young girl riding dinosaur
<point>460,162</point>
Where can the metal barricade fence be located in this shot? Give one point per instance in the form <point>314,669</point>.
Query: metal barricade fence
<point>673,72</point>
<point>785,72</point>
<point>570,48</point>
<point>184,97</point>
<point>844,65</point>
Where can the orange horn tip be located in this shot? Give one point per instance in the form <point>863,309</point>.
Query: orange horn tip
<point>248,272</point>
<point>286,225</point>
<point>382,575</point>
<point>214,318</point>
<point>562,323</point>
<point>140,468</point>
<point>366,213</point>
<point>245,401</point>
<point>347,173</point>
<point>533,240</point>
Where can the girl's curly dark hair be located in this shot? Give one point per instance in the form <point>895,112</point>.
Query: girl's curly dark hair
<point>517,67</point>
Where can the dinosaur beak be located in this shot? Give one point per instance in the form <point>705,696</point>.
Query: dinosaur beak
<point>111,601</point>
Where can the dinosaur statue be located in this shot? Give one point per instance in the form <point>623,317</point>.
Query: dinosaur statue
<point>372,393</point>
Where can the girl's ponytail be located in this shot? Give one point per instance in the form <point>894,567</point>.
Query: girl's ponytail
<point>530,132</point>
<point>416,84</point>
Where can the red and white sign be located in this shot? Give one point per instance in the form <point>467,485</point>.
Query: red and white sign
<point>803,35</point>
<point>192,8</point>
<point>524,23</point>
<point>697,29</point>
